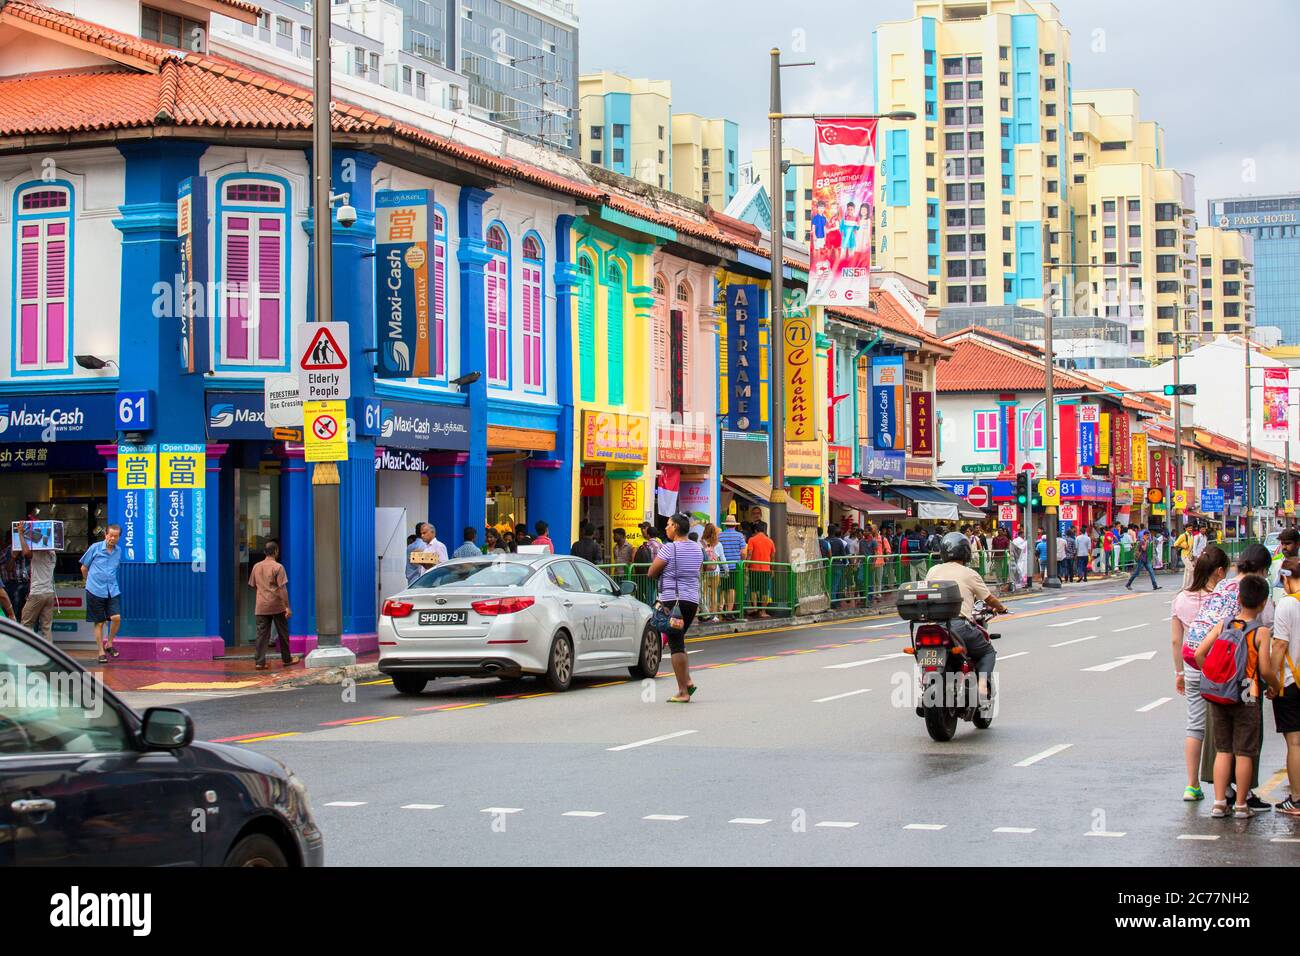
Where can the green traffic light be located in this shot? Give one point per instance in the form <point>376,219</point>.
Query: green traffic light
<point>1169,390</point>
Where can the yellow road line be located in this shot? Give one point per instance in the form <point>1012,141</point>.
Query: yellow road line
<point>255,740</point>
<point>370,720</point>
<point>547,693</point>
<point>463,706</point>
<point>201,685</point>
<point>613,683</point>
<point>372,683</point>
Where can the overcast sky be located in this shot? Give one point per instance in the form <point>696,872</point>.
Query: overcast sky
<point>1221,78</point>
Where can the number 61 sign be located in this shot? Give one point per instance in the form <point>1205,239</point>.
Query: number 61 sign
<point>135,411</point>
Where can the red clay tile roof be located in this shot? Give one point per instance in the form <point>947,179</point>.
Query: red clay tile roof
<point>886,313</point>
<point>1231,448</point>
<point>980,367</point>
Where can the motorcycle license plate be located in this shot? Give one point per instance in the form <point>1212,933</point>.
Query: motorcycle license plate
<point>929,656</point>
<point>443,617</point>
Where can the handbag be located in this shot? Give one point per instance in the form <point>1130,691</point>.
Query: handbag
<point>676,621</point>
<point>659,620</point>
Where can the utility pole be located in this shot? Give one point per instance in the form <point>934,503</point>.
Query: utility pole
<point>1181,521</point>
<point>776,176</point>
<point>1250,446</point>
<point>326,484</point>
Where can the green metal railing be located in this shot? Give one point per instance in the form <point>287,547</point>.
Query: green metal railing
<point>732,590</point>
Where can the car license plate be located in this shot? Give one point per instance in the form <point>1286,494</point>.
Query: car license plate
<point>928,656</point>
<point>443,617</point>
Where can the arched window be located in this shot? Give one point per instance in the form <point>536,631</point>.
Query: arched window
<point>42,271</point>
<point>253,218</point>
<point>614,332</point>
<point>683,341</point>
<point>534,313</point>
<point>660,286</point>
<point>496,275</point>
<point>586,329</point>
<point>439,293</point>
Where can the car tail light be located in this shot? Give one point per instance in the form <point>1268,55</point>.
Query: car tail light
<point>496,606</point>
<point>397,609</point>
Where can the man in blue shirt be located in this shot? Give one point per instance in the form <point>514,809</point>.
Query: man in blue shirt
<point>103,595</point>
<point>733,543</point>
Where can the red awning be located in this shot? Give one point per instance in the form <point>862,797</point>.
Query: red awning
<point>851,497</point>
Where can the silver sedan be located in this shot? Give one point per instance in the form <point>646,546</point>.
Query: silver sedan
<point>514,614</point>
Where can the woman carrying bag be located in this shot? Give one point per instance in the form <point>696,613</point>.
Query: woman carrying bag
<point>676,568</point>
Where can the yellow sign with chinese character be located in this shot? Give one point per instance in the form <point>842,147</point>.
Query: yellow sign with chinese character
<point>809,496</point>
<point>137,470</point>
<point>1290,507</point>
<point>626,506</point>
<point>325,431</point>
<point>1103,440</point>
<point>182,469</point>
<point>1049,492</point>
<point>615,437</point>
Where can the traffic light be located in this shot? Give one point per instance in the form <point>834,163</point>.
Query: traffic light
<point>1180,390</point>
<point>1022,488</point>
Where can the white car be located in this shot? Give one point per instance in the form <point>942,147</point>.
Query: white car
<point>507,615</point>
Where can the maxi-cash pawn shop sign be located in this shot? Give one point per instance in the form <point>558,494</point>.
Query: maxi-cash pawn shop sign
<point>325,431</point>
<point>323,374</point>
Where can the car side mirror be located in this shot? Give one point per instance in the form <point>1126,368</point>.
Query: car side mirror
<point>167,728</point>
<point>627,588</point>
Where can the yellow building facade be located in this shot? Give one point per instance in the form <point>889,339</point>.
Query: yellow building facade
<point>1226,268</point>
<point>626,126</point>
<point>705,166</point>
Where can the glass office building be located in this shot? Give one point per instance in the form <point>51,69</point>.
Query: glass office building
<point>1274,224</point>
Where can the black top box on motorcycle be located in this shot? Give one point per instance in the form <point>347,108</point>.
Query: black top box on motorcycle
<point>929,601</point>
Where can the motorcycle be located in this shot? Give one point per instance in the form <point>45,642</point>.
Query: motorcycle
<point>949,685</point>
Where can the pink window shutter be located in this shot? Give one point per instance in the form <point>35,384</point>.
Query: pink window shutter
<point>56,287</point>
<point>537,332</point>
<point>237,293</point>
<point>29,286</point>
<point>493,371</point>
<point>269,287</point>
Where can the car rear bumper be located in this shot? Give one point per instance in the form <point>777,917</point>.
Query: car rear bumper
<point>487,666</point>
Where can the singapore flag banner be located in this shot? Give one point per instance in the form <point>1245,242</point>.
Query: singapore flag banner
<point>843,196</point>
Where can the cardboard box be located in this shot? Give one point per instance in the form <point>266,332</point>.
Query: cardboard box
<point>41,535</point>
<point>427,558</point>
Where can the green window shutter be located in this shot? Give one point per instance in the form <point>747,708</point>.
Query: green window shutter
<point>587,338</point>
<point>615,337</point>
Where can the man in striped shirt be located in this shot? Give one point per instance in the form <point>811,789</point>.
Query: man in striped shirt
<point>733,543</point>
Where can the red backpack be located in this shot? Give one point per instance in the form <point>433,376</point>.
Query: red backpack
<point>1232,663</point>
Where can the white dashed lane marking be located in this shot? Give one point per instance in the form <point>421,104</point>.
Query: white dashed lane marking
<point>837,824</point>
<point>1014,829</point>
<point>1007,657</point>
<point>652,740</point>
<point>502,810</point>
<point>1077,640</point>
<point>1105,833</point>
<point>1197,836</point>
<point>1131,627</point>
<point>422,806</point>
<point>583,813</point>
<point>749,821</point>
<point>665,817</point>
<point>852,693</point>
<point>1153,705</point>
<point>347,803</point>
<point>1050,751</point>
<point>925,826</point>
<point>1081,620</point>
<point>870,660</point>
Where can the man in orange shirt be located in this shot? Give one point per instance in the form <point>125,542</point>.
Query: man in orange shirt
<point>758,552</point>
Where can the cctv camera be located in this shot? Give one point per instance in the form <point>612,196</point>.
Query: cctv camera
<point>347,216</point>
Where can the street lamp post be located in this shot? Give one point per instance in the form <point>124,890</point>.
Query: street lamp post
<point>326,484</point>
<point>776,310</point>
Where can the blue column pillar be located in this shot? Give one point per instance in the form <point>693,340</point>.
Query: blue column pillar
<point>296,550</point>
<point>472,255</point>
<point>165,609</point>
<point>551,475</point>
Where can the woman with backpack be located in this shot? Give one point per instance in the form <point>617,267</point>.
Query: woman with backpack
<point>1210,569</point>
<point>1223,605</point>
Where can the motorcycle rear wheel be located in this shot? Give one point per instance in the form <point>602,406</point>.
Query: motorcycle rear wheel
<point>983,723</point>
<point>941,722</point>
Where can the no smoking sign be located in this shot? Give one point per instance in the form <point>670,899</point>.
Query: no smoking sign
<point>325,438</point>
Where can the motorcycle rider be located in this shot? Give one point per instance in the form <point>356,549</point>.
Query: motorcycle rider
<point>955,554</point>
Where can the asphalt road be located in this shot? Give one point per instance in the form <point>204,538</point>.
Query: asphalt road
<point>801,747</point>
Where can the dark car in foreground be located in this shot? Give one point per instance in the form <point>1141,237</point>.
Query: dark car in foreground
<point>86,781</point>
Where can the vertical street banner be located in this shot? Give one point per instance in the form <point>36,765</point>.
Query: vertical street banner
<point>1089,417</point>
<point>1008,437</point>
<point>744,372</point>
<point>844,163</point>
<point>887,402</point>
<point>136,494</point>
<point>1277,388</point>
<point>1103,440</point>
<point>192,240</point>
<point>1067,418</point>
<point>799,352</point>
<point>923,424</point>
<point>1138,443</point>
<point>403,225</point>
<point>626,507</point>
<point>182,480</point>
<point>1120,444</point>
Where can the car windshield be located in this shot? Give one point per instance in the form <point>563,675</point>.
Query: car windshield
<point>476,574</point>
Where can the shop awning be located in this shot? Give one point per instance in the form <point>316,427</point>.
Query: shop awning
<point>858,500</point>
<point>937,503</point>
<point>758,491</point>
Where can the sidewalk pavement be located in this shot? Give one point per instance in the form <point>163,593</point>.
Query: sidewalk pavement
<point>235,671</point>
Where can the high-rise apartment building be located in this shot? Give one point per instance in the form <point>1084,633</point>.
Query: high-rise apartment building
<point>1226,267</point>
<point>974,193</point>
<point>1273,223</point>
<point>1134,218</point>
<point>705,165</point>
<point>628,126</point>
<point>792,204</point>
